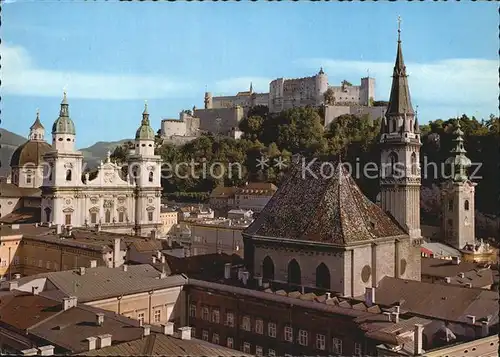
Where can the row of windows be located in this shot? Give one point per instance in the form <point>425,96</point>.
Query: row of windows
<point>246,347</point>
<point>302,336</point>
<point>450,205</point>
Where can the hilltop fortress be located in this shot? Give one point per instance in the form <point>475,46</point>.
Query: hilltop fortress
<point>222,114</point>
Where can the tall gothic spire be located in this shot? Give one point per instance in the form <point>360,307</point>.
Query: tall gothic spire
<point>459,162</point>
<point>399,100</point>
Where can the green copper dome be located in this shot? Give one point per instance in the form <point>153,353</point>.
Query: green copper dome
<point>145,132</point>
<point>64,124</point>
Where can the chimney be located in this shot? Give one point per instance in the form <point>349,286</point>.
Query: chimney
<point>370,296</point>
<point>258,280</point>
<point>99,319</point>
<point>17,276</point>
<point>46,350</point>
<point>485,328</point>
<point>158,254</point>
<point>388,315</point>
<point>81,270</point>
<point>93,263</point>
<point>162,259</point>
<point>117,259</point>
<point>168,328</point>
<point>240,273</point>
<point>69,302</point>
<point>104,340</point>
<point>49,224</point>
<point>91,343</point>
<point>328,296</point>
<point>153,259</point>
<point>125,267</point>
<point>461,275</point>
<point>227,271</point>
<point>187,252</point>
<point>397,308</point>
<point>37,224</point>
<point>29,352</point>
<point>447,279</point>
<point>395,317</point>
<point>471,319</point>
<point>13,285</point>
<point>185,332</point>
<point>468,285</point>
<point>455,260</point>
<point>34,290</point>
<point>146,330</point>
<point>419,329</point>
<point>58,229</point>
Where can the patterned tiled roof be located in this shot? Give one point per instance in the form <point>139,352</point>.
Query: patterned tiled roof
<point>328,208</point>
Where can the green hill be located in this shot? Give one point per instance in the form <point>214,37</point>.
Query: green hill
<point>9,141</point>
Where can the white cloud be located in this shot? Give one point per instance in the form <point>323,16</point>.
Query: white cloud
<point>449,82</point>
<point>21,76</point>
<point>231,86</point>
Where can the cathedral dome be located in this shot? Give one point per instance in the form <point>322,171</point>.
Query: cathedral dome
<point>145,132</point>
<point>31,152</point>
<point>64,124</point>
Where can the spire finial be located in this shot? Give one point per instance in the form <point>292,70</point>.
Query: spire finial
<point>399,28</point>
<point>37,114</point>
<point>251,87</point>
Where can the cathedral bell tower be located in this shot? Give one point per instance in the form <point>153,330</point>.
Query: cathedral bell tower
<point>145,172</point>
<point>400,153</point>
<point>457,197</point>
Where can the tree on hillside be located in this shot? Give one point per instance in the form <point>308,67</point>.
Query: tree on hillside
<point>329,97</point>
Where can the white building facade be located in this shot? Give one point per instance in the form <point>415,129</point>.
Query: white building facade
<point>122,203</point>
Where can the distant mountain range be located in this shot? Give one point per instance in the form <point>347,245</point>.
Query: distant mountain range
<point>9,142</point>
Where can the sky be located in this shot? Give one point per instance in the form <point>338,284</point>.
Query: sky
<point>110,57</point>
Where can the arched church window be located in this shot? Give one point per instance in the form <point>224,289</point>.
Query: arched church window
<point>414,164</point>
<point>294,273</point>
<point>121,216</point>
<point>466,205</point>
<point>323,276</point>
<point>47,213</point>
<point>268,268</point>
<point>68,175</point>
<point>93,218</point>
<point>393,160</point>
<point>450,205</point>
<point>151,176</point>
<point>107,217</point>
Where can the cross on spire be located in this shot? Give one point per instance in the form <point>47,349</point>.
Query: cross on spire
<point>399,28</point>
